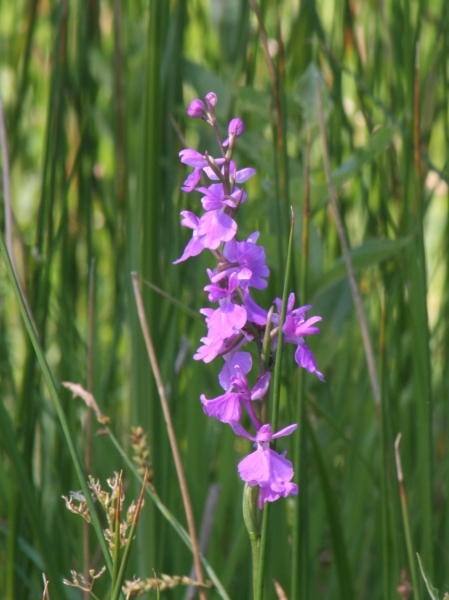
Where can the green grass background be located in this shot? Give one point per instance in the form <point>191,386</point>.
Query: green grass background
<point>95,96</point>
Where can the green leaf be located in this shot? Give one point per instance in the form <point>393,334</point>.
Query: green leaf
<point>336,527</point>
<point>370,253</point>
<point>306,94</point>
<point>377,142</point>
<point>319,195</point>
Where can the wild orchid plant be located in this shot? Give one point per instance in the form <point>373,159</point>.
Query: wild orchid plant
<point>238,320</point>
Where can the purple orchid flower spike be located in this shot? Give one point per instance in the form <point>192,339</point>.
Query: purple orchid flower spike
<point>271,471</point>
<point>238,318</point>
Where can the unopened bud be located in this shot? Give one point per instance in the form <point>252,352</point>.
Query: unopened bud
<point>237,127</point>
<point>211,99</point>
<point>196,109</point>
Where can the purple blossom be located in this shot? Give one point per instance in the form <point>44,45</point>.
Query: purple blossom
<point>192,181</point>
<point>196,109</point>
<point>242,175</point>
<point>216,347</point>
<point>210,231</point>
<point>219,292</point>
<point>270,494</point>
<point>271,471</point>
<point>255,313</point>
<point>227,407</point>
<point>306,360</point>
<point>245,256</point>
<point>195,159</point>
<point>231,360</point>
<point>212,348</point>
<point>192,158</point>
<point>216,227</point>
<point>215,197</point>
<point>226,320</point>
<point>295,328</point>
<point>236,176</point>
<point>195,246</point>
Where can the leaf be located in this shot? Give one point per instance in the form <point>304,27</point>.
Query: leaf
<point>254,101</point>
<point>368,254</point>
<point>306,94</point>
<point>377,142</point>
<point>319,194</point>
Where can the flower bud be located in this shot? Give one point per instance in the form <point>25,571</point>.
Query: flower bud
<point>196,109</point>
<point>237,127</point>
<point>211,99</point>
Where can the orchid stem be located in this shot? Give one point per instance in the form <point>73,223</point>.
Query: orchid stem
<point>275,407</point>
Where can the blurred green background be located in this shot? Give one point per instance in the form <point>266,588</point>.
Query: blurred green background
<point>94,95</point>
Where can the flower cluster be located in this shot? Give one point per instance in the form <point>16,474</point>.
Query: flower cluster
<point>237,318</point>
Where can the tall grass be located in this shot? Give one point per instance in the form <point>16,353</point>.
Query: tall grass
<point>95,95</point>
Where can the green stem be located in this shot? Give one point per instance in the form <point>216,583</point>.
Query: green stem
<point>251,516</point>
<point>299,532</point>
<point>275,408</point>
<point>406,520</point>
